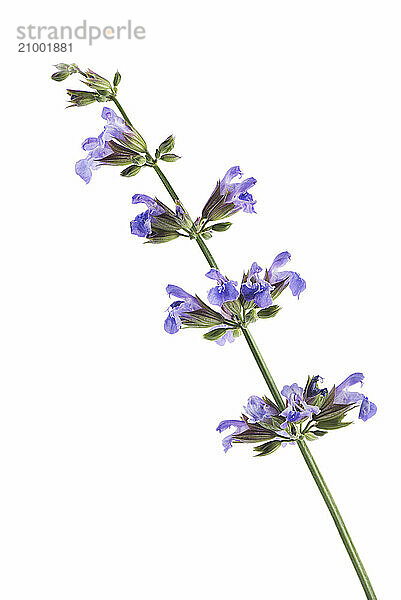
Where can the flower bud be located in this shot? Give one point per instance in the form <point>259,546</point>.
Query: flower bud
<point>117,79</point>
<point>170,157</point>
<point>60,75</point>
<point>222,226</point>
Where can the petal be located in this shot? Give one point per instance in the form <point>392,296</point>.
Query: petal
<point>172,324</point>
<point>249,290</point>
<point>216,295</point>
<point>108,114</point>
<point>280,260</point>
<point>244,186</point>
<point>90,144</point>
<point>246,202</point>
<point>141,225</point>
<point>368,410</point>
<point>223,425</point>
<point>263,298</point>
<point>82,168</point>
<point>230,292</point>
<point>255,269</point>
<point>143,199</point>
<point>228,177</point>
<point>297,284</point>
<point>227,443</point>
<point>216,275</point>
<point>350,380</point>
<point>178,292</point>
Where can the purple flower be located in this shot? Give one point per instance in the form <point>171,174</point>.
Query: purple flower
<point>185,303</point>
<point>142,224</point>
<point>258,410</point>
<point>240,426</point>
<point>343,396</point>
<point>297,409</point>
<point>237,192</point>
<point>257,289</point>
<point>274,276</point>
<point>98,148</point>
<point>225,291</point>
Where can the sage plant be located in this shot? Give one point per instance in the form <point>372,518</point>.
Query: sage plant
<point>296,415</point>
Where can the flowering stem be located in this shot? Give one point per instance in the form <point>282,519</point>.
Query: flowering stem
<point>263,368</point>
<point>167,185</point>
<point>306,453</point>
<point>338,520</point>
<point>206,252</point>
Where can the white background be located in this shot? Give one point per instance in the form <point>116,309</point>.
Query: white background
<point>113,480</point>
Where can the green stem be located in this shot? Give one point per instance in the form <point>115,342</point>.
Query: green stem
<point>201,243</point>
<point>310,461</point>
<point>338,520</point>
<point>122,111</point>
<point>263,368</point>
<point>206,253</point>
<point>167,185</point>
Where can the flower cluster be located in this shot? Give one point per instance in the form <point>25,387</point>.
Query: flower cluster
<point>237,305</point>
<point>309,413</point>
<point>230,196</point>
<point>103,89</point>
<point>158,223</point>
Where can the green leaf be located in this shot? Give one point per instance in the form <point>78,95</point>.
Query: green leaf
<point>215,334</point>
<point>267,448</point>
<point>268,313</point>
<point>167,145</point>
<point>250,316</point>
<point>170,157</point>
<point>161,238</point>
<point>130,171</point>
<point>222,226</point>
<point>334,424</point>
